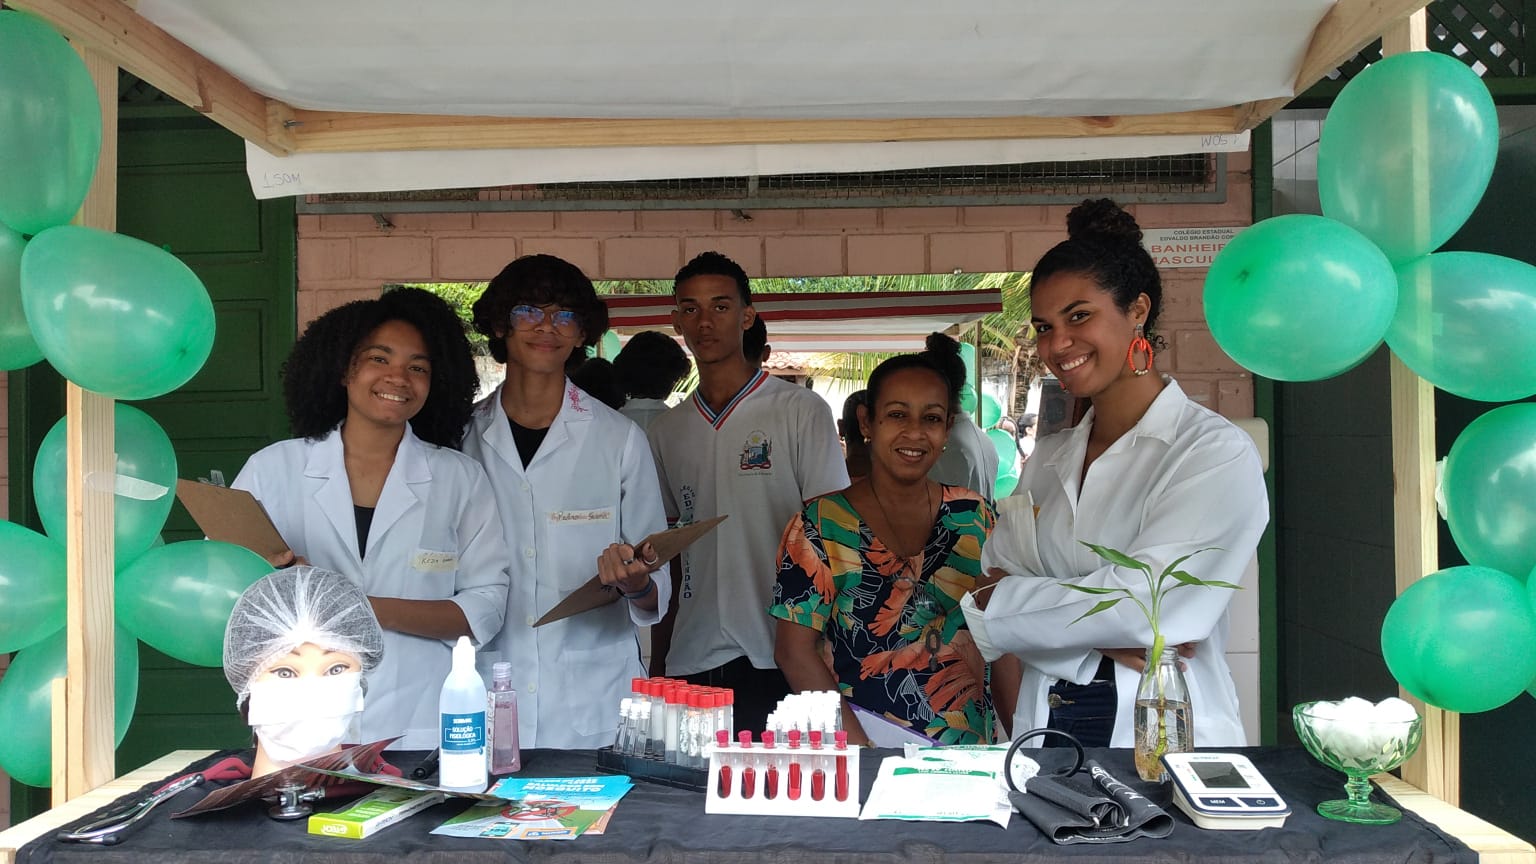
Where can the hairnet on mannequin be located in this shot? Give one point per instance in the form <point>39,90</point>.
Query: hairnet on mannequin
<point>283,610</point>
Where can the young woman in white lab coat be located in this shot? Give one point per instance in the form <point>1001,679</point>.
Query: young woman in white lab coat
<point>1148,472</point>
<point>577,488</point>
<point>374,488</point>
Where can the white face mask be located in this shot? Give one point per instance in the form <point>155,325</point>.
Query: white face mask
<point>297,718</point>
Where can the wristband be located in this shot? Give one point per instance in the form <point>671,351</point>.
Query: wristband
<point>650,585</point>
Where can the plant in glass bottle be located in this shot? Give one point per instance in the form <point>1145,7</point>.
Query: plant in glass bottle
<point>1162,718</point>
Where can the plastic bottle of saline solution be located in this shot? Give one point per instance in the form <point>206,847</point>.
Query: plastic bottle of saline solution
<point>461,708</point>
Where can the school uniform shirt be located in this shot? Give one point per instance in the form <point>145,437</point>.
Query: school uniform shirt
<point>435,536</point>
<point>591,483</point>
<point>1182,479</point>
<point>969,460</point>
<point>758,460</point>
<point>643,411</point>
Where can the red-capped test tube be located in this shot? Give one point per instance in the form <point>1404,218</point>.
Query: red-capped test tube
<point>818,775</point>
<point>840,781</point>
<point>723,784</point>
<point>748,772</point>
<point>794,764</point>
<point>771,767</point>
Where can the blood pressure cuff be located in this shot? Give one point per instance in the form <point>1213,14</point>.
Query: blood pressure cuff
<point>1089,806</point>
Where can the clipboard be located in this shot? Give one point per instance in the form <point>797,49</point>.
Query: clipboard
<point>232,516</point>
<point>667,544</point>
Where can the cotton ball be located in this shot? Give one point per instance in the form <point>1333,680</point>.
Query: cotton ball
<point>1353,730</point>
<point>1395,710</point>
<point>1323,716</point>
<point>1393,720</point>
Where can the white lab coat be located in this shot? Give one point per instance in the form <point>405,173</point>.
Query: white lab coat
<point>1182,479</point>
<point>435,536</point>
<point>592,483</point>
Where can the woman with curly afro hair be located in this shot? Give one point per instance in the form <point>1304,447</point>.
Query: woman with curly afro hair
<point>375,489</point>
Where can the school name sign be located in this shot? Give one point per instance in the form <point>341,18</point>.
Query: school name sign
<point>1185,247</point>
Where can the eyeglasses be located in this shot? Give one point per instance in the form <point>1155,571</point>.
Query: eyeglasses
<point>564,321</point>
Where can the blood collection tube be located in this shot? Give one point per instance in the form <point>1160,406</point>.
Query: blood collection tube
<point>794,765</point>
<point>748,773</point>
<point>771,767</point>
<point>818,775</point>
<point>723,786</point>
<point>840,781</point>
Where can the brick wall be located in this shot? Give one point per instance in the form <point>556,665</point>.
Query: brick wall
<point>344,257</point>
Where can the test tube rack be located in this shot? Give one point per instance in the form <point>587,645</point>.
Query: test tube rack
<point>729,796</point>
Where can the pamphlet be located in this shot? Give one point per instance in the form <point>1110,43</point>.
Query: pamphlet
<point>542,808</point>
<point>942,784</point>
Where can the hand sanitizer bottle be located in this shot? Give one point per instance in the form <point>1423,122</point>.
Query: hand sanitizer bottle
<point>461,707</point>
<point>501,709</point>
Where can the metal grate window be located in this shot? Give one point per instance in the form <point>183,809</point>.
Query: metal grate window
<point>1191,177</point>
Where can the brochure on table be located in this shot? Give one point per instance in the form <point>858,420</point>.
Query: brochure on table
<point>542,808</point>
<point>942,784</point>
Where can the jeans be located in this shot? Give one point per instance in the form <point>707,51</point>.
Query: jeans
<point>1086,711</point>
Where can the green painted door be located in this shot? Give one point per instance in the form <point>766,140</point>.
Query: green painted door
<point>182,185</point>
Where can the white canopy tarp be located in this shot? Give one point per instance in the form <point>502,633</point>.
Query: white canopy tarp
<point>794,59</point>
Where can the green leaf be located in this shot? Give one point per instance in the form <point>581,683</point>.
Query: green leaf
<point>1217,583</point>
<point>1093,589</point>
<point>1186,579</point>
<point>1115,556</point>
<point>1097,608</point>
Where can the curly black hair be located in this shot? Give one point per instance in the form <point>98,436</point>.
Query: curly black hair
<point>941,355</point>
<point>1104,243</point>
<point>650,365</point>
<point>540,280</point>
<point>715,264</point>
<point>317,367</point>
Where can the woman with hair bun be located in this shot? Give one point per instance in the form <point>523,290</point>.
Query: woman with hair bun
<point>879,568</point>
<point>1147,472</point>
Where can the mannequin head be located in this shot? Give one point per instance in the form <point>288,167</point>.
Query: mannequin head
<point>296,648</point>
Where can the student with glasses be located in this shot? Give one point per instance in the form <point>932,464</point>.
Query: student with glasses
<point>576,487</point>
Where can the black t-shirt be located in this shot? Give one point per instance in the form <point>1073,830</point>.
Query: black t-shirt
<point>528,440</point>
<point>364,517</point>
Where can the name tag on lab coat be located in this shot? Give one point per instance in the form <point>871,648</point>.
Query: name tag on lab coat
<point>426,561</point>
<point>581,517</point>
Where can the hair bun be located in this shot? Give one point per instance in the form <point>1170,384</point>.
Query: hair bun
<point>1102,220</point>
<point>945,352</point>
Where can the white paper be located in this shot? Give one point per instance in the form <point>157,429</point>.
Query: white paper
<point>942,784</point>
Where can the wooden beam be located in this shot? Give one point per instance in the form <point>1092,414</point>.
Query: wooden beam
<point>87,757</point>
<point>120,34</point>
<point>1436,766</point>
<point>1347,28</point>
<point>338,131</point>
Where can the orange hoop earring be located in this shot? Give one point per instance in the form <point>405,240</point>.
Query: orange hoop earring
<point>1139,345</point>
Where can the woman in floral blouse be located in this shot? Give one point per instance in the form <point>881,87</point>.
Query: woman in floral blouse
<point>878,570</point>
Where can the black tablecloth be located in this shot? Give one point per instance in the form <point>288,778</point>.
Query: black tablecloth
<point>657,823</point>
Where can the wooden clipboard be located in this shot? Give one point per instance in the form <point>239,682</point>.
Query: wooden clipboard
<point>595,594</point>
<point>232,516</point>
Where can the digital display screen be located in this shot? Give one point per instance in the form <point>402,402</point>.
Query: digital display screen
<point>1219,775</point>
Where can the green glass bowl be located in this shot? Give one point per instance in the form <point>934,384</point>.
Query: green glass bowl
<point>1360,750</point>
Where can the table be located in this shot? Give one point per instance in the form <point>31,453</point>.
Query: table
<point>655,823</point>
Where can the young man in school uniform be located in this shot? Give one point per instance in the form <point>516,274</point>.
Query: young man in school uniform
<point>747,445</point>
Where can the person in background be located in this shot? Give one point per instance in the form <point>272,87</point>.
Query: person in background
<point>299,647</point>
<point>1025,438</point>
<point>855,445</point>
<point>969,461</point>
<point>597,376</point>
<point>1147,472</point>
<point>748,446</point>
<point>754,343</point>
<point>375,489</point>
<point>576,488</point>
<point>650,367</point>
<point>878,570</point>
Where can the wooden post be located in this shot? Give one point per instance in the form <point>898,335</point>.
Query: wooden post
<point>87,748</point>
<point>1435,768</point>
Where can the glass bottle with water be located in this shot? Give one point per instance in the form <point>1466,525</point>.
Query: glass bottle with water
<point>1161,716</point>
<point>461,709</point>
<point>501,710</point>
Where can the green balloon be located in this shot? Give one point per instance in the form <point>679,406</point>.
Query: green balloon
<point>50,125</point>
<point>1007,452</point>
<point>114,314</point>
<point>178,597</point>
<point>1276,298</point>
<point>1006,483</point>
<point>1407,150</point>
<point>991,411</point>
<point>146,484</point>
<point>1490,489</point>
<point>18,349</point>
<point>968,357</point>
<point>31,587</point>
<point>26,703</point>
<point>1462,639</point>
<point>1464,321</point>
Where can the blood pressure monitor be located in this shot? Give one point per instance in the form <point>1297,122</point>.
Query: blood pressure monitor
<point>1224,791</point>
